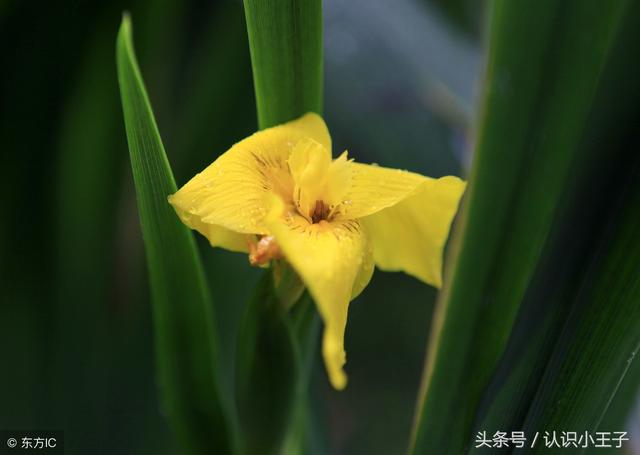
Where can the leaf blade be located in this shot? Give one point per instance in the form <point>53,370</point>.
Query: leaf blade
<point>285,40</point>
<point>601,336</point>
<point>586,215</point>
<point>268,369</point>
<point>542,76</point>
<point>186,348</point>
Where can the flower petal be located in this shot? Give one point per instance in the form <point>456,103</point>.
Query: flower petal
<point>373,188</point>
<point>231,192</point>
<point>410,235</point>
<point>334,261</point>
<point>217,235</point>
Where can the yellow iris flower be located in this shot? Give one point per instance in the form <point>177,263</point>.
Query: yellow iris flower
<point>278,193</point>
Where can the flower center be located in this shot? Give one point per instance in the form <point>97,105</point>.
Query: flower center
<point>320,183</point>
<point>320,212</point>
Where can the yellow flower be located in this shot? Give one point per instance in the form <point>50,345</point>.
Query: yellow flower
<point>278,193</point>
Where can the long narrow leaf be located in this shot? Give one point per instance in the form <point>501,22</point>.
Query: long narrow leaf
<point>601,337</point>
<point>542,76</point>
<point>285,38</point>
<point>600,175</point>
<point>186,349</point>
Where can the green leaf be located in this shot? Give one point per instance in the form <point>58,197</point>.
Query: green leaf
<point>578,330</point>
<point>554,297</point>
<point>542,75</point>
<point>601,336</point>
<point>306,327</point>
<point>267,371</point>
<point>186,348</point>
<point>285,38</point>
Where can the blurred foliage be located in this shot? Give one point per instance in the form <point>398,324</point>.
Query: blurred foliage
<point>466,15</point>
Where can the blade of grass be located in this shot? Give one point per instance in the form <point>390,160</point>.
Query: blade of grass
<point>542,76</point>
<point>186,348</point>
<point>285,38</point>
